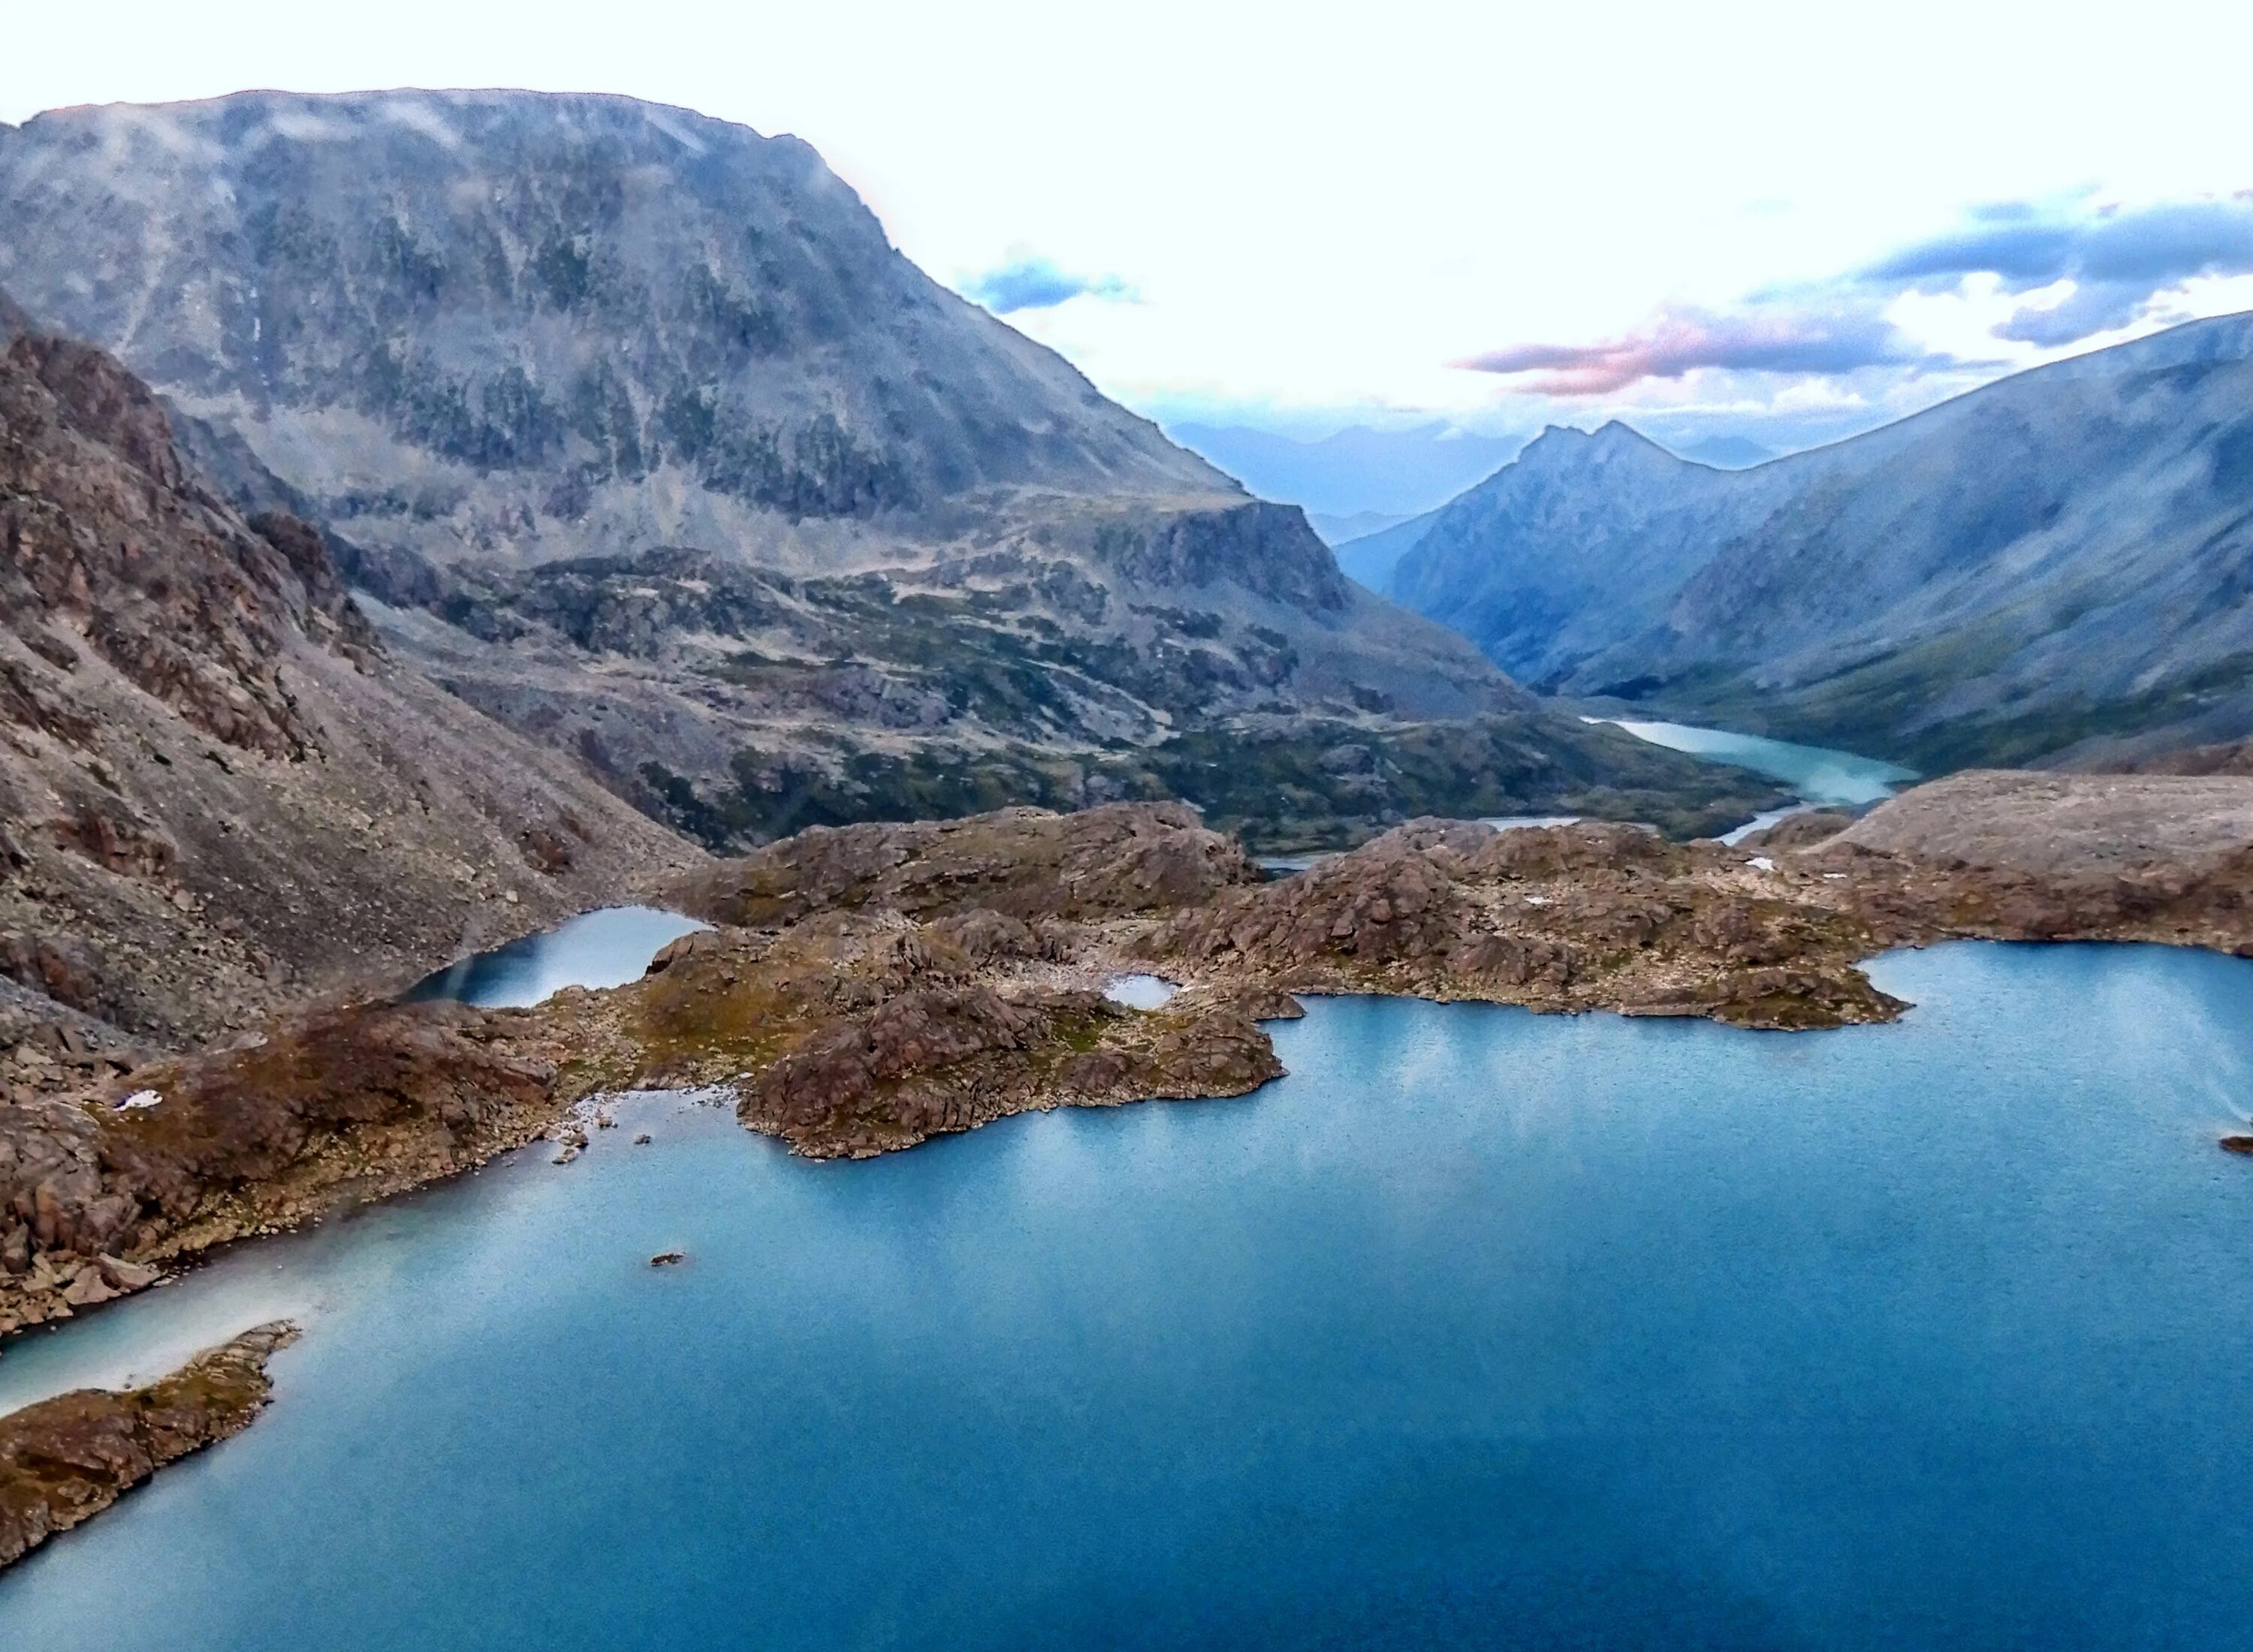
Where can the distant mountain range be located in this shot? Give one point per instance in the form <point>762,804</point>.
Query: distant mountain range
<point>1339,530</point>
<point>631,428</point>
<point>1355,472</point>
<point>1725,452</point>
<point>2054,566</point>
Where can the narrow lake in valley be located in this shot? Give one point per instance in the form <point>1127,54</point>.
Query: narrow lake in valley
<point>1816,772</point>
<point>1820,774</point>
<point>1482,1328</point>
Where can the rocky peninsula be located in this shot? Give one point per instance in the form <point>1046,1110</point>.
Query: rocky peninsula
<point>65,1460</point>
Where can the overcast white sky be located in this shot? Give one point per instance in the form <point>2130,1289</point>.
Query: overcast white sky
<point>1311,210</point>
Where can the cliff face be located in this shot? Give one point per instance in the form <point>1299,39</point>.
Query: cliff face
<point>215,790</point>
<point>2051,565</point>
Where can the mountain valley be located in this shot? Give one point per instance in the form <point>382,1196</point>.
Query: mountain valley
<point>639,436</point>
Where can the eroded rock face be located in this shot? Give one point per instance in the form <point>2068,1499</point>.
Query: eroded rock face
<point>65,1460</point>
<point>109,547</point>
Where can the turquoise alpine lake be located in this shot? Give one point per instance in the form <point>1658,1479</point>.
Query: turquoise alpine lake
<point>1483,1329</point>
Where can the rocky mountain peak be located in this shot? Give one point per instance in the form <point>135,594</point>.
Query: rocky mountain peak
<point>510,325</point>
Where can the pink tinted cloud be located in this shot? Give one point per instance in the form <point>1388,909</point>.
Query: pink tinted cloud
<point>1677,342</point>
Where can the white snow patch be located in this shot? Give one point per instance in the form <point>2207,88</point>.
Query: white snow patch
<point>679,134</point>
<point>418,116</point>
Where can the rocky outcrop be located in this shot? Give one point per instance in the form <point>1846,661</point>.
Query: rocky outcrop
<point>1026,863</point>
<point>100,1188</point>
<point>1569,918</point>
<point>65,1460</point>
<point>1760,935</point>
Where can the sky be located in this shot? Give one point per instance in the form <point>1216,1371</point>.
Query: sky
<point>1784,222</point>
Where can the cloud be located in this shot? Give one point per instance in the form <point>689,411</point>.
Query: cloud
<point>2067,271</point>
<point>1827,339</point>
<point>2087,309</point>
<point>1027,282</point>
<point>2117,259</point>
<point>2161,245</point>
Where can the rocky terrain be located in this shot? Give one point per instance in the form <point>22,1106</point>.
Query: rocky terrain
<point>65,1460</point>
<point>639,436</point>
<point>868,986</point>
<point>2052,567</point>
<point>218,791</point>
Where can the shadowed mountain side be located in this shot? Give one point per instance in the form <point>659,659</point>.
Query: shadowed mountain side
<point>2045,569</point>
<point>218,791</point>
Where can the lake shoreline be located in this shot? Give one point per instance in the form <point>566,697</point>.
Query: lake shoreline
<point>861,1005</point>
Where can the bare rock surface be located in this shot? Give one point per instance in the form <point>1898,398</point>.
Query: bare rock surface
<point>2067,825</point>
<point>1027,863</point>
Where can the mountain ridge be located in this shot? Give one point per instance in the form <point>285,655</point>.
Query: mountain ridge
<point>218,791</point>
<point>2049,568</point>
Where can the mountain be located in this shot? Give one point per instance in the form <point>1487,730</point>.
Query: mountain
<point>2054,567</point>
<point>522,327</point>
<point>1725,452</point>
<point>634,432</point>
<point>1397,473</point>
<point>217,790</point>
<point>1372,559</point>
<point>1336,530</point>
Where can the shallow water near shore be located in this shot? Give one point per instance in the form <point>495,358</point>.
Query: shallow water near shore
<point>1483,1329</point>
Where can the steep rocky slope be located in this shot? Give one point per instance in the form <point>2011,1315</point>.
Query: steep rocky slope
<point>216,792</point>
<point>527,326</point>
<point>2055,565</point>
<point>648,444</point>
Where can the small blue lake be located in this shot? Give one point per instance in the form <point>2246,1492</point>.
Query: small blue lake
<point>1483,1329</point>
<point>606,948</point>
